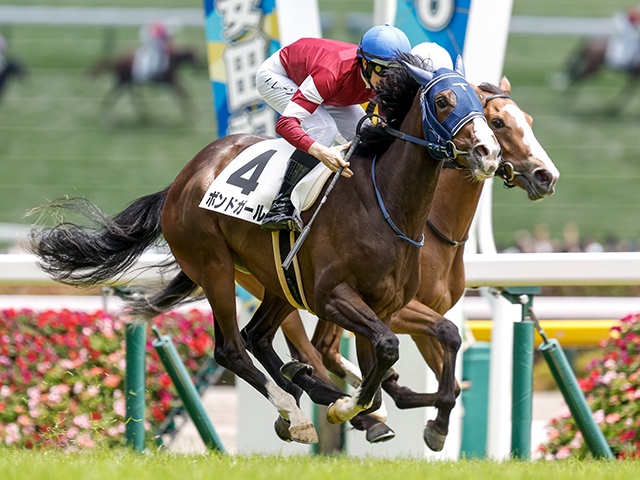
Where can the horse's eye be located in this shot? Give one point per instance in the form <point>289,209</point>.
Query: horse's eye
<point>496,122</point>
<point>442,102</point>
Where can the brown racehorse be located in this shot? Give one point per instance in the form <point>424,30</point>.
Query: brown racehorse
<point>442,274</point>
<point>121,67</point>
<point>355,269</point>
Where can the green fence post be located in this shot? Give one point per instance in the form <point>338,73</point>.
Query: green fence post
<point>566,380</point>
<point>522,388</point>
<point>475,399</point>
<point>136,339</point>
<point>190,398</point>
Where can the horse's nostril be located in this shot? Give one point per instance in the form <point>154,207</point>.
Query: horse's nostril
<point>482,150</point>
<point>542,177</point>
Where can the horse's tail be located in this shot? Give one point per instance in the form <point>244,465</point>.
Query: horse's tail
<point>88,255</point>
<point>178,292</point>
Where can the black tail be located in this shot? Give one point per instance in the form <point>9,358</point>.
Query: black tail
<point>179,292</point>
<point>88,255</point>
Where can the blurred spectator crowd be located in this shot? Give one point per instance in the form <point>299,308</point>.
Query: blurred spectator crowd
<point>540,241</point>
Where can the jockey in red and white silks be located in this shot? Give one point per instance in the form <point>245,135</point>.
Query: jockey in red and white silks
<point>318,85</point>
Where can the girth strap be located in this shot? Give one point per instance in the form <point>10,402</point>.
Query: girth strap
<point>290,279</point>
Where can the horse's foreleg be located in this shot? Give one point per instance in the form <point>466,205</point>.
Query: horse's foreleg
<point>348,310</point>
<point>230,351</point>
<point>429,328</point>
<point>327,338</point>
<point>305,351</point>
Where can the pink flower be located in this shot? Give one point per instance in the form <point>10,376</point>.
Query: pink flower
<point>93,390</point>
<point>5,391</point>
<point>549,457</point>
<point>120,407</point>
<point>72,432</point>
<point>67,364</point>
<point>598,416</point>
<point>563,453</point>
<point>85,441</point>
<point>553,433</point>
<point>612,418</point>
<point>78,387</point>
<point>82,421</point>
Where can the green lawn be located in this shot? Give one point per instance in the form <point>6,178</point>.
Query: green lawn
<point>53,141</point>
<point>19,465</point>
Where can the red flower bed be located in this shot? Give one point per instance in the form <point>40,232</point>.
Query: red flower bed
<point>62,375</point>
<point>612,388</point>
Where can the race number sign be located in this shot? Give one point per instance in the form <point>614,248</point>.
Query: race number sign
<point>240,35</point>
<point>247,186</point>
<point>441,21</point>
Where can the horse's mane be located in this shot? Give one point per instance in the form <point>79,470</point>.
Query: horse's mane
<point>394,97</point>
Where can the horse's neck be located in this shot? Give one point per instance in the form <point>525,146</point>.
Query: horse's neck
<point>455,203</point>
<point>406,176</point>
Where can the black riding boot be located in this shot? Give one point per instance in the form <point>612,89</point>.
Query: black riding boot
<point>282,215</point>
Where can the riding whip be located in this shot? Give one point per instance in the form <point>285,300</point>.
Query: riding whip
<point>305,231</point>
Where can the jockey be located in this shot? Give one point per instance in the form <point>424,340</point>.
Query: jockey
<point>623,47</point>
<point>151,60</point>
<point>318,85</point>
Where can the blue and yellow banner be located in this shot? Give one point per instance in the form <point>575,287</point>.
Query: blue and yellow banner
<point>240,35</point>
<point>440,21</point>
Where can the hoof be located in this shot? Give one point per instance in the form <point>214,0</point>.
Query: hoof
<point>291,369</point>
<point>379,433</point>
<point>304,433</point>
<point>282,429</point>
<point>433,439</point>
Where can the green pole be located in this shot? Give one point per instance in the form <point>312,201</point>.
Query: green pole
<point>190,398</point>
<point>136,339</point>
<point>522,393</point>
<point>566,380</point>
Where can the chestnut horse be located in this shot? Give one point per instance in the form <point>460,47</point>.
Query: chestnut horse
<point>355,269</point>
<point>121,66</point>
<point>526,165</point>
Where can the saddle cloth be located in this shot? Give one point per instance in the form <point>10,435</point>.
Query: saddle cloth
<point>245,189</point>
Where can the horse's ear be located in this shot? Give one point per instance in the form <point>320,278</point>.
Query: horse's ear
<point>460,66</point>
<point>505,85</point>
<point>419,75</point>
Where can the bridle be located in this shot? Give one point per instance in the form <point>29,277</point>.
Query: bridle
<point>505,170</point>
<point>441,148</point>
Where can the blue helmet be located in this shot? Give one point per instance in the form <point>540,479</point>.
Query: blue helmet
<point>381,44</point>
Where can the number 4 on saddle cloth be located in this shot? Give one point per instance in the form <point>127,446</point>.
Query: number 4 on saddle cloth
<point>245,189</point>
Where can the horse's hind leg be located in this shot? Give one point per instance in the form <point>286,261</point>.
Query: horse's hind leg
<point>230,351</point>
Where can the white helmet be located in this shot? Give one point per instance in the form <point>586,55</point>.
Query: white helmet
<point>435,56</point>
